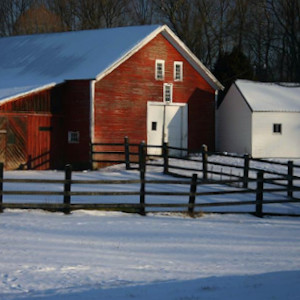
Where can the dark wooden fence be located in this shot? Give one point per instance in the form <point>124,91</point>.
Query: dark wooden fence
<point>264,181</point>
<point>241,170</point>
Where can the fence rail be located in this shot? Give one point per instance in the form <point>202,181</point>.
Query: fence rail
<point>189,205</point>
<point>241,162</point>
<point>204,170</point>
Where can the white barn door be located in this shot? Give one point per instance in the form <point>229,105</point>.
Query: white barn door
<point>167,123</point>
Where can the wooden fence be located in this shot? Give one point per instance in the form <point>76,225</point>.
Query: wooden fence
<point>244,184</point>
<point>205,166</point>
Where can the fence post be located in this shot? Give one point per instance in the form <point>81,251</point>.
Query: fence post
<point>246,171</point>
<point>192,198</point>
<point>67,188</point>
<point>290,178</point>
<point>142,163</point>
<point>204,162</point>
<point>259,194</point>
<point>1,186</point>
<point>165,153</point>
<point>127,157</point>
<point>91,155</point>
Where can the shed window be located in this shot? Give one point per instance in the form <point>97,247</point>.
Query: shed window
<point>73,137</point>
<point>178,71</point>
<point>168,92</point>
<point>277,128</point>
<point>159,69</point>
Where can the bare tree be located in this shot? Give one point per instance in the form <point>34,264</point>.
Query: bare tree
<point>183,18</point>
<point>214,17</point>
<point>267,32</point>
<point>113,12</point>
<point>101,13</point>
<point>142,11</point>
<point>242,24</point>
<point>10,11</point>
<point>260,40</point>
<point>287,14</point>
<point>38,19</point>
<point>66,10</point>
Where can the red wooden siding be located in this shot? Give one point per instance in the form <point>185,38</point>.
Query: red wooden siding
<point>30,132</point>
<point>3,134</point>
<point>35,102</point>
<point>44,141</point>
<point>77,118</point>
<point>121,97</point>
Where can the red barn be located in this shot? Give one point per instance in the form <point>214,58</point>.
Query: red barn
<point>61,92</point>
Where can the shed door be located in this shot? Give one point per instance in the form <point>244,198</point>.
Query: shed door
<point>167,123</point>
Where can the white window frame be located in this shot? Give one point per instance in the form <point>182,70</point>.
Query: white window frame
<point>159,75</point>
<point>180,64</point>
<point>73,137</point>
<point>168,88</point>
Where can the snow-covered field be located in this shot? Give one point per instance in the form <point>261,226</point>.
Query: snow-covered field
<point>106,255</point>
<point>111,255</point>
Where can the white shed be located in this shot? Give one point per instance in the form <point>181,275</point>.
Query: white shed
<point>261,119</point>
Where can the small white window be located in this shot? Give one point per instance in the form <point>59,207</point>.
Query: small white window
<point>73,137</point>
<point>168,92</point>
<point>277,128</point>
<point>178,70</point>
<point>159,69</point>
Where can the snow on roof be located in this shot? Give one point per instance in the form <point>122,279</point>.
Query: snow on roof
<point>32,62</point>
<point>275,97</point>
<point>35,61</point>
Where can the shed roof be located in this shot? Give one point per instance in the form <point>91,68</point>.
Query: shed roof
<point>33,62</point>
<point>270,97</point>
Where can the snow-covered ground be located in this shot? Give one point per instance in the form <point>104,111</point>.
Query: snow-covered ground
<point>106,255</point>
<point>112,255</point>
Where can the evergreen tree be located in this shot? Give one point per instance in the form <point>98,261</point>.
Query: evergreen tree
<point>231,66</point>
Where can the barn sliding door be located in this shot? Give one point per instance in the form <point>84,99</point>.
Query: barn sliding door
<point>13,136</point>
<point>3,133</point>
<point>167,123</point>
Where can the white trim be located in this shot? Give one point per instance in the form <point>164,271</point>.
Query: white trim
<point>163,104</point>
<point>162,62</point>
<point>130,53</point>
<point>179,45</point>
<point>170,85</point>
<point>92,111</point>
<point>180,64</point>
<point>191,58</point>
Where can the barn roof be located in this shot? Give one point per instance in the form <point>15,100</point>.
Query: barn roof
<point>272,97</point>
<point>34,62</point>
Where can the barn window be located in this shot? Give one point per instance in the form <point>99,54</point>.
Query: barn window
<point>154,126</point>
<point>178,71</point>
<point>168,92</point>
<point>277,128</point>
<point>159,69</point>
<point>73,137</point>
